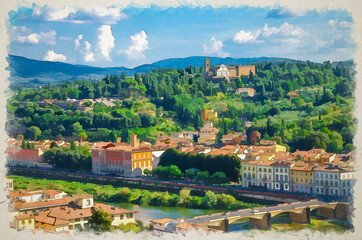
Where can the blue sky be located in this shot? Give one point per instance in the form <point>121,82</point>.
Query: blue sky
<point>114,36</point>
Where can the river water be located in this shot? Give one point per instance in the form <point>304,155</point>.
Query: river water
<point>148,213</point>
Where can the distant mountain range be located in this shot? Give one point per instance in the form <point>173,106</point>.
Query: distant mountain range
<point>30,71</point>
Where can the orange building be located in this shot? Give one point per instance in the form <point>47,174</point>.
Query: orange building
<point>208,114</point>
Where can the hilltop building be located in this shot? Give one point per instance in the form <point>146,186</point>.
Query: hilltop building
<point>208,114</point>
<point>228,72</point>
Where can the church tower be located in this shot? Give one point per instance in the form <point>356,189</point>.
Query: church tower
<point>207,65</point>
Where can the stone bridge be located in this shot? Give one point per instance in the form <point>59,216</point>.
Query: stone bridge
<point>260,218</point>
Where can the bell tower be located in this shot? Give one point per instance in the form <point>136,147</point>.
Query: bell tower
<point>207,65</point>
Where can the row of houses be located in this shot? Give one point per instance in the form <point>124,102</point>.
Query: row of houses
<point>55,211</point>
<point>267,165</point>
<point>322,179</point>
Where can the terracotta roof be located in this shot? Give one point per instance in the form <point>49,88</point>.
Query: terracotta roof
<point>253,162</point>
<point>283,156</point>
<point>24,216</point>
<point>331,168</point>
<point>51,192</point>
<point>41,204</point>
<point>112,210</point>
<point>119,147</point>
<point>162,220</point>
<point>68,213</point>
<point>306,167</point>
<point>45,218</point>
<point>265,163</point>
<point>282,164</point>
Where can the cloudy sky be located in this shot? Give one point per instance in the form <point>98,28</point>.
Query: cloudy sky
<point>114,36</point>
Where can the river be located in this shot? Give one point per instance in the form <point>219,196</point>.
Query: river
<point>148,213</point>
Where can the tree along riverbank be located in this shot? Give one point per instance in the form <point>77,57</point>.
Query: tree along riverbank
<point>108,193</point>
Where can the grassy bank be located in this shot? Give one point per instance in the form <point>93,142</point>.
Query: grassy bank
<point>108,193</point>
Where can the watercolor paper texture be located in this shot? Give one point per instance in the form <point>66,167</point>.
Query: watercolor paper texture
<point>162,119</point>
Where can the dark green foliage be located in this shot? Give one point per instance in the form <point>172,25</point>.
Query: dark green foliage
<point>324,90</point>
<point>100,221</point>
<point>230,165</point>
<point>168,172</point>
<point>78,158</point>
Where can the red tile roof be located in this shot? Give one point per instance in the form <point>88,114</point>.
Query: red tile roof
<point>24,216</point>
<point>42,204</point>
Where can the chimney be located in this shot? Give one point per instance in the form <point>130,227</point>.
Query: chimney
<point>134,141</point>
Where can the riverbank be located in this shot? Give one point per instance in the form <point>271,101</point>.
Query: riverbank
<point>108,193</point>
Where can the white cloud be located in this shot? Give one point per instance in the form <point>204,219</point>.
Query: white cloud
<point>77,41</point>
<point>105,40</point>
<point>286,30</point>
<point>88,55</point>
<point>54,57</point>
<point>336,24</point>
<point>23,34</point>
<point>215,47</point>
<point>138,46</point>
<point>290,30</point>
<point>109,15</point>
<point>245,36</point>
<point>286,33</point>
<point>85,48</point>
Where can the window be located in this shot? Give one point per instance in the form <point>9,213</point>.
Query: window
<point>276,170</point>
<point>29,221</point>
<point>23,222</point>
<point>70,227</point>
<point>129,215</point>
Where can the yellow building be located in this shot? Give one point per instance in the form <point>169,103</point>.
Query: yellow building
<point>249,173</point>
<point>140,161</point>
<point>208,114</point>
<point>302,178</point>
<point>280,148</point>
<point>23,221</point>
